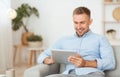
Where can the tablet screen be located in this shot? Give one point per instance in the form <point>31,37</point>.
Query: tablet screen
<point>61,56</point>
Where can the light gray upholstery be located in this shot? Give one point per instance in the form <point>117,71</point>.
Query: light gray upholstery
<point>116,71</point>
<point>42,70</point>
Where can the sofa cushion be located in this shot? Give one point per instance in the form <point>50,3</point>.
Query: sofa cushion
<point>62,68</point>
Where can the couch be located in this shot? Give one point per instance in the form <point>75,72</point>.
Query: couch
<point>42,70</point>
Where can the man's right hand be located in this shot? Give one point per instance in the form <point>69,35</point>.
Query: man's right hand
<point>49,60</point>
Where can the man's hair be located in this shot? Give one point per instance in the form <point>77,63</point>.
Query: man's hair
<point>82,10</point>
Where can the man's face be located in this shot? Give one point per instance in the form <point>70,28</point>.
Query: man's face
<point>81,23</point>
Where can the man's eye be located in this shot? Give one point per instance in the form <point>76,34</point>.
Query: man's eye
<point>82,22</point>
<point>76,22</point>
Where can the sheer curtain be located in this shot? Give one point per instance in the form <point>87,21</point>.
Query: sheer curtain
<point>5,37</point>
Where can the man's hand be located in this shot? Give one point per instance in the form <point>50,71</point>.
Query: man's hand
<point>49,60</point>
<point>78,61</point>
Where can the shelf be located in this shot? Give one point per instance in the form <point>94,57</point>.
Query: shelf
<point>115,42</point>
<point>111,21</point>
<point>111,3</point>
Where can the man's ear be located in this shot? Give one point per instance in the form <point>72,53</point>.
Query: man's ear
<point>91,20</point>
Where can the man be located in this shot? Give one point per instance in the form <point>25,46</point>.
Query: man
<point>95,55</point>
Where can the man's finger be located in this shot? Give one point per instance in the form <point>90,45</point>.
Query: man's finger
<point>78,55</point>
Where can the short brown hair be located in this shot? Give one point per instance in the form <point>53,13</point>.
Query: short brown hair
<point>81,10</point>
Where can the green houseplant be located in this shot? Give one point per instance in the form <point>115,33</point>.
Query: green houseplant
<point>24,12</point>
<point>34,40</point>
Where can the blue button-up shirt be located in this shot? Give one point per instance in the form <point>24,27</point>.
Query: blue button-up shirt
<point>90,46</point>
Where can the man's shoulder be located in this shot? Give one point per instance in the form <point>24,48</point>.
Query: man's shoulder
<point>98,36</point>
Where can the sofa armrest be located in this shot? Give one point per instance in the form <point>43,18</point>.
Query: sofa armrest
<point>41,70</point>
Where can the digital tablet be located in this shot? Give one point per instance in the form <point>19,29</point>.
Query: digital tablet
<point>61,56</point>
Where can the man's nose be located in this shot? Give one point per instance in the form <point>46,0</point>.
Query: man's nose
<point>79,26</point>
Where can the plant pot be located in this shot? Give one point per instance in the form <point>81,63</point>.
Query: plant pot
<point>108,0</point>
<point>24,37</point>
<point>36,44</point>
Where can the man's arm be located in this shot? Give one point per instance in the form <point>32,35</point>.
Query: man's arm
<point>48,60</point>
<point>106,61</point>
<point>92,63</point>
<point>78,61</point>
<point>43,55</point>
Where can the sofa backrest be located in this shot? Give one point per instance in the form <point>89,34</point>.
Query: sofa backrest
<point>116,71</point>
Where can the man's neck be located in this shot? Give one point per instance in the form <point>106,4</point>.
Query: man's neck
<point>83,34</point>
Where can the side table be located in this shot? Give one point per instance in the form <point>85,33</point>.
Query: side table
<point>17,54</point>
<point>32,54</point>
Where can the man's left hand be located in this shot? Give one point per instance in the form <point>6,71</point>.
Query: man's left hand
<point>77,60</point>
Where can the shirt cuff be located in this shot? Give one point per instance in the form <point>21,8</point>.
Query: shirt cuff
<point>99,64</point>
<point>41,59</point>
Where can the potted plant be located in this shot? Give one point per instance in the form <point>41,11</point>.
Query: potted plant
<point>34,40</point>
<point>111,34</point>
<point>23,12</point>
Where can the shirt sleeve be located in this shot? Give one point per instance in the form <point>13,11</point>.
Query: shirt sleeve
<point>43,55</point>
<point>47,53</point>
<point>107,59</point>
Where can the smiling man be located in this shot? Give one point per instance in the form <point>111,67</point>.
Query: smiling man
<point>95,54</point>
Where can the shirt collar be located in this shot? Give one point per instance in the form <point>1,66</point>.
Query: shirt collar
<point>86,34</point>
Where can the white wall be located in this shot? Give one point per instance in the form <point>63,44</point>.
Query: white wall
<point>5,36</point>
<point>56,17</point>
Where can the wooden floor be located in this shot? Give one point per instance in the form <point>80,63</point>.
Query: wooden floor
<point>19,69</point>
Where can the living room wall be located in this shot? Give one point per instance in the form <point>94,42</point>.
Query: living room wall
<point>55,18</point>
<point>5,36</point>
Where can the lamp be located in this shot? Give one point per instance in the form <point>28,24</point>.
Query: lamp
<point>12,14</point>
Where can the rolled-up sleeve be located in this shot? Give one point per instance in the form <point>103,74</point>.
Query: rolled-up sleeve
<point>47,53</point>
<point>107,58</point>
<point>43,55</point>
